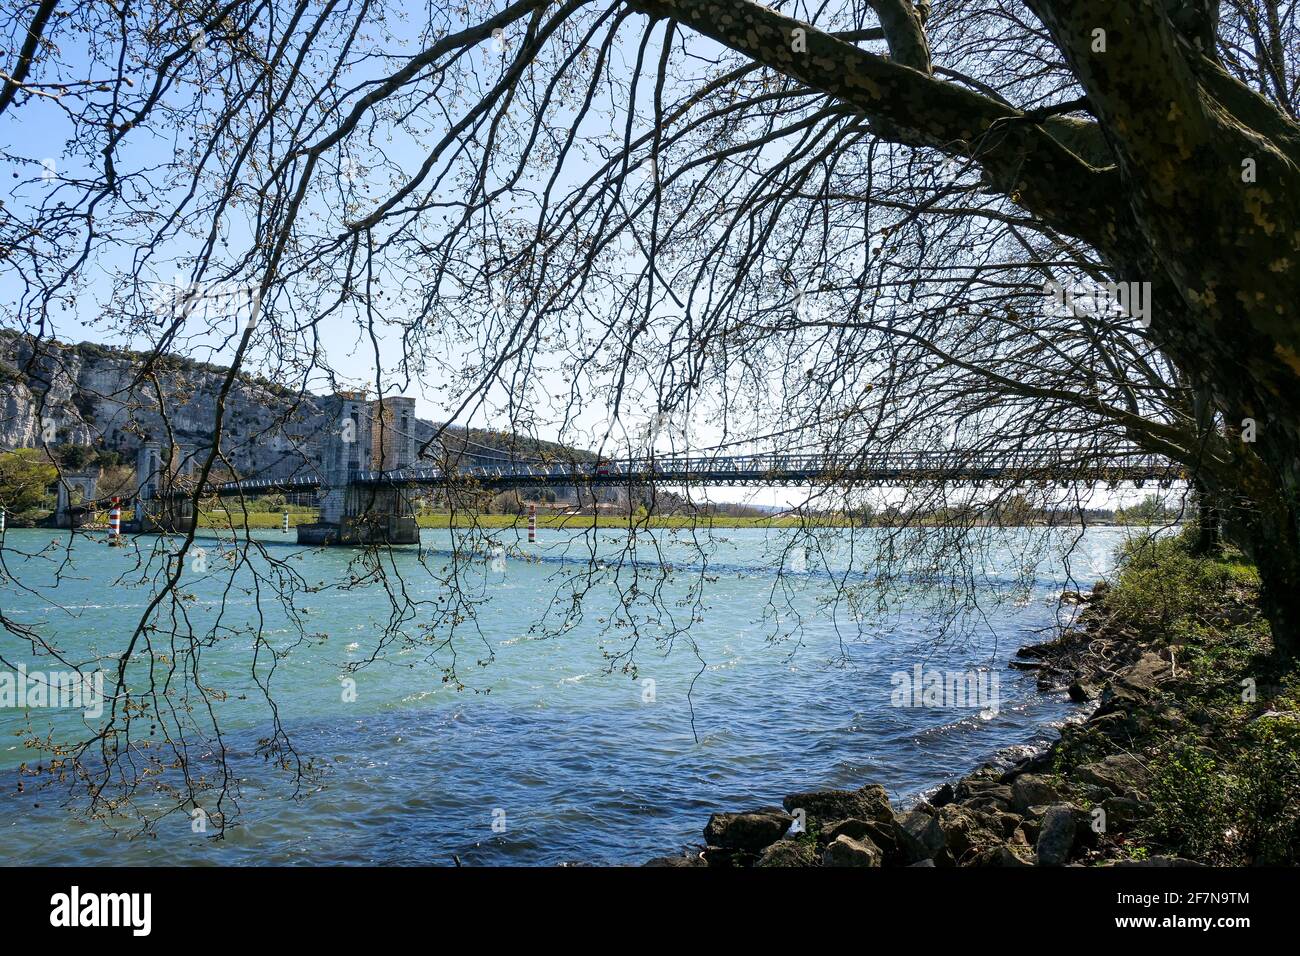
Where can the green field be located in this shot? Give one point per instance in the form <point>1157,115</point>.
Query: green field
<point>264,519</point>
<point>253,519</point>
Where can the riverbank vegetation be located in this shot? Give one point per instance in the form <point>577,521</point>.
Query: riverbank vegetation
<point>1219,736</point>
<point>25,477</point>
<point>298,514</point>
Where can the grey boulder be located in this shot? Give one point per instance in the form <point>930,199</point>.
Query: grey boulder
<point>752,830</point>
<point>846,851</point>
<point>1056,835</point>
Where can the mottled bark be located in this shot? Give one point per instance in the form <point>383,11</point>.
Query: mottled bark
<point>904,28</point>
<point>1019,156</point>
<point>1209,173</point>
<point>1196,21</point>
<point>1230,245</point>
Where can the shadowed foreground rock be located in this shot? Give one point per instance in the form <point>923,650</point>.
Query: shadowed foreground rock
<point>1056,836</point>
<point>747,831</point>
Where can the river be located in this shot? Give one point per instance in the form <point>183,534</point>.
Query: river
<point>552,754</point>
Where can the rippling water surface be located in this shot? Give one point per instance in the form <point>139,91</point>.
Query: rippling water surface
<point>581,764</point>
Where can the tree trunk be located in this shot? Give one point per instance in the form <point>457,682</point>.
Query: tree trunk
<point>1279,572</point>
<point>1209,521</point>
<point>1265,524</point>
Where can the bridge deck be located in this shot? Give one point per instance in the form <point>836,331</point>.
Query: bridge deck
<point>792,469</point>
<point>754,470</point>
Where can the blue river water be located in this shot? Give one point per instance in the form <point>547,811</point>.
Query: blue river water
<point>747,685</point>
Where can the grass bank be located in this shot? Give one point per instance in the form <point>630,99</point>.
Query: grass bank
<point>239,520</point>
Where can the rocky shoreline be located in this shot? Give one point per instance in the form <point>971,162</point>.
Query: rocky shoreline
<point>1049,809</point>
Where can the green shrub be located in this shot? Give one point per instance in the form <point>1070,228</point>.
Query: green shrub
<point>1190,804</point>
<point>1162,585</point>
<point>1237,806</point>
<point>75,457</point>
<point>1228,793</point>
<point>25,479</point>
<point>1267,793</point>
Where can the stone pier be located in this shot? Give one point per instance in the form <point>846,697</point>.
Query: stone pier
<point>164,515</point>
<point>371,514</point>
<point>161,476</point>
<point>370,436</point>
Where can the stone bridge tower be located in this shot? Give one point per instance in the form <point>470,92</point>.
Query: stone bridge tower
<point>365,436</point>
<point>157,468</point>
<point>76,497</point>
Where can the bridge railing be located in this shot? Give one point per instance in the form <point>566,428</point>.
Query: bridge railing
<point>934,462</point>
<point>245,486</point>
<point>775,465</point>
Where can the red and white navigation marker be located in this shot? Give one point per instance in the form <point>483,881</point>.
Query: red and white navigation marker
<point>115,521</point>
<point>532,523</point>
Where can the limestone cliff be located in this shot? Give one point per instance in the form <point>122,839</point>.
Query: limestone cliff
<point>91,395</point>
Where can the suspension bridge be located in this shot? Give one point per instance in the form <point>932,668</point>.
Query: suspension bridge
<point>376,505</point>
<point>761,469</point>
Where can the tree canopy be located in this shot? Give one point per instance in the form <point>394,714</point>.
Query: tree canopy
<point>25,479</point>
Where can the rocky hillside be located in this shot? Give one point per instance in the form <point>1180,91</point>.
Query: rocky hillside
<point>91,395</point>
